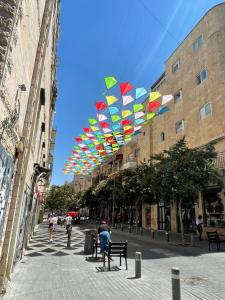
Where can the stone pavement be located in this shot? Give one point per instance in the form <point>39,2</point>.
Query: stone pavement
<point>51,271</point>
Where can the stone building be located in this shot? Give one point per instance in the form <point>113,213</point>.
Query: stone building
<point>194,74</point>
<point>28,91</point>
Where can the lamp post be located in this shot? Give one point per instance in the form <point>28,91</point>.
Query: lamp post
<point>114,195</point>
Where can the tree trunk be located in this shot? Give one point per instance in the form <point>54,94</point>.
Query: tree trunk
<point>122,217</point>
<point>131,221</point>
<point>137,216</point>
<point>181,221</point>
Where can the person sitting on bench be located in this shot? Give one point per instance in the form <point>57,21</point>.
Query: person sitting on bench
<point>104,236</point>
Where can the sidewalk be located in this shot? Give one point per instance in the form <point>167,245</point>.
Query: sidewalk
<point>51,271</point>
<point>158,236</point>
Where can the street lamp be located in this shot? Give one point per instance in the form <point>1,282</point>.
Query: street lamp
<point>114,195</point>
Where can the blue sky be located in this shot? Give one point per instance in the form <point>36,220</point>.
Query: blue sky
<point>128,39</point>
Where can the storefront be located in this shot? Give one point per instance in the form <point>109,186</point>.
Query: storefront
<point>213,207</point>
<point>164,217</point>
<point>6,172</point>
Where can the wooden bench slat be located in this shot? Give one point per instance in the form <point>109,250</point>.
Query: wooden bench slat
<point>214,238</point>
<point>116,249</point>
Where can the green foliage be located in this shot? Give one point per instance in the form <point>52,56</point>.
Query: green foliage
<point>138,184</point>
<point>87,198</point>
<point>182,172</point>
<point>62,198</point>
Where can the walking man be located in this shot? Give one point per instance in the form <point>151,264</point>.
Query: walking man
<point>68,222</point>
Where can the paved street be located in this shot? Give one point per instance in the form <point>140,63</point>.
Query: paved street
<point>50,271</point>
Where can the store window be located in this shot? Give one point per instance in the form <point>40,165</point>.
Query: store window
<point>163,216</point>
<point>148,216</point>
<point>214,203</point>
<point>188,218</point>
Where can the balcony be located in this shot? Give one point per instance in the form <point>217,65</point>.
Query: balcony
<point>52,146</point>
<point>129,165</point>
<point>220,160</point>
<point>50,159</point>
<point>53,134</point>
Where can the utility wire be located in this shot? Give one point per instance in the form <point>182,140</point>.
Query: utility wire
<point>158,21</point>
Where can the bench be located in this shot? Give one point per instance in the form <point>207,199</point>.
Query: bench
<point>215,238</point>
<point>118,249</point>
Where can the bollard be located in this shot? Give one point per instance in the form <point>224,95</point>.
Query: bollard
<point>192,240</point>
<point>175,275</point>
<point>69,230</point>
<point>138,264</point>
<point>167,236</point>
<point>153,234</point>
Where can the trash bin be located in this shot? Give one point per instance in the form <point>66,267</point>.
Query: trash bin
<point>88,244</point>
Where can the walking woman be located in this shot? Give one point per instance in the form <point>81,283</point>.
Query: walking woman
<point>50,227</point>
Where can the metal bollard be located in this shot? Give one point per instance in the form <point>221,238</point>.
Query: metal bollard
<point>138,257</point>
<point>192,240</point>
<point>167,236</point>
<point>175,275</point>
<point>69,236</point>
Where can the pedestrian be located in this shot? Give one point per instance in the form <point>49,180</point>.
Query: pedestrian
<point>50,227</point>
<point>68,222</point>
<point>104,236</point>
<point>55,221</point>
<point>199,224</point>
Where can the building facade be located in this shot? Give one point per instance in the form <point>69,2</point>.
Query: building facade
<point>28,91</point>
<point>194,74</point>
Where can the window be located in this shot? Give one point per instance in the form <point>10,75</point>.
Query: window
<point>197,43</point>
<point>42,127</point>
<point>206,111</point>
<point>176,66</point>
<point>136,152</point>
<point>161,137</point>
<point>202,76</point>
<point>179,126</point>
<point>42,96</point>
<point>178,96</point>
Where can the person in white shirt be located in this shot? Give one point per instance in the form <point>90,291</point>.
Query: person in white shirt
<point>55,219</point>
<point>50,227</point>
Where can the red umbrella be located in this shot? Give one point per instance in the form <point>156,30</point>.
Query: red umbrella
<point>73,214</point>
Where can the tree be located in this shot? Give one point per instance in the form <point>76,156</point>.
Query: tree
<point>61,198</point>
<point>138,186</point>
<point>182,172</point>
